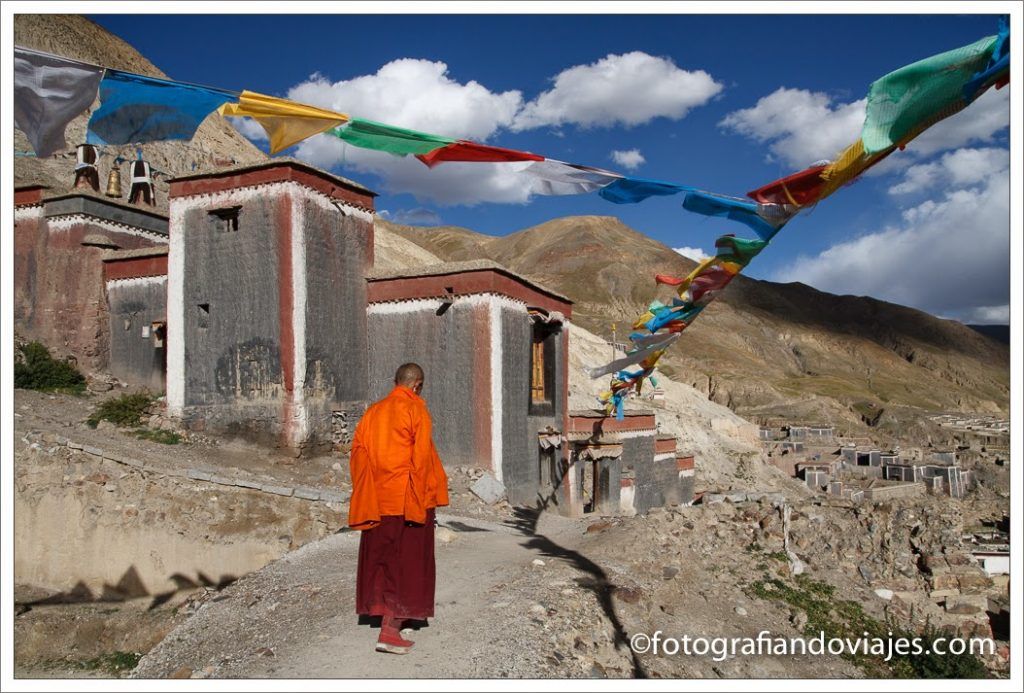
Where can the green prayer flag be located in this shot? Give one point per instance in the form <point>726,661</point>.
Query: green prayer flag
<point>386,138</point>
<point>905,102</point>
<point>739,250</point>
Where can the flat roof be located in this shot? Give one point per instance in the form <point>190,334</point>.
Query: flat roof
<point>154,251</point>
<point>113,202</point>
<point>445,268</point>
<point>271,163</point>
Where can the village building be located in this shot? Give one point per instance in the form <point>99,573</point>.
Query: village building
<point>257,309</point>
<point>60,242</point>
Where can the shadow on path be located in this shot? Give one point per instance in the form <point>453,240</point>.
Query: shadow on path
<point>525,521</point>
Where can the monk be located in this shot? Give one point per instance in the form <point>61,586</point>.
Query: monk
<point>397,482</point>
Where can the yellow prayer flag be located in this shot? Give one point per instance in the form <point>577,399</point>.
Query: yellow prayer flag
<point>852,162</point>
<point>701,266</point>
<point>286,122</point>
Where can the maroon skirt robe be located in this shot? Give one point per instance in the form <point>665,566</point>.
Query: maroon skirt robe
<point>396,572</point>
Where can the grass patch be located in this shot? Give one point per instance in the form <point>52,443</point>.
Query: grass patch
<point>115,663</point>
<point>126,410</point>
<point>157,436</point>
<point>37,370</point>
<point>842,618</point>
<point>111,664</point>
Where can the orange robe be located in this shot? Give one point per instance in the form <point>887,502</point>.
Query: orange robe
<point>395,467</point>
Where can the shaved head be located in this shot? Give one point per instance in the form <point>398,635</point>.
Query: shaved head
<point>408,374</point>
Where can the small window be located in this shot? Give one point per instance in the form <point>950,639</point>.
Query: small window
<point>538,393</point>
<point>226,218</point>
<point>159,332</point>
<point>542,368</point>
<point>204,315</point>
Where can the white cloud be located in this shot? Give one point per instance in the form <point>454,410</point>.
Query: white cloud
<point>695,254</point>
<point>631,159</point>
<point>628,89</point>
<point>448,184</point>
<point>989,315</point>
<point>948,255</point>
<point>249,128</point>
<point>421,95</point>
<point>418,216</point>
<point>417,94</point>
<point>799,126</point>
<point>961,167</point>
<point>802,126</point>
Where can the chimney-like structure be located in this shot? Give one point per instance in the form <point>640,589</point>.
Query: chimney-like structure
<point>86,173</point>
<point>142,189</point>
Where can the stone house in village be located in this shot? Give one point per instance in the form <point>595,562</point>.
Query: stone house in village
<point>257,309</point>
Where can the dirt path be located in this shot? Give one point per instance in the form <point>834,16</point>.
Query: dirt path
<point>295,618</point>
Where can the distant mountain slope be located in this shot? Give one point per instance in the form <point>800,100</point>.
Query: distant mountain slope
<point>216,142</point>
<point>1000,333</point>
<point>769,351</point>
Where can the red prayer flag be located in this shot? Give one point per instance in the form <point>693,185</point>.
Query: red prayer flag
<point>470,151</point>
<point>801,188</point>
<point>668,279</point>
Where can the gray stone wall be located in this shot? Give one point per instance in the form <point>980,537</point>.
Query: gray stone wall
<point>337,256</point>
<point>656,481</point>
<point>686,489</point>
<point>608,479</point>
<point>135,357</point>
<point>233,370</point>
<point>520,449</point>
<point>455,363</point>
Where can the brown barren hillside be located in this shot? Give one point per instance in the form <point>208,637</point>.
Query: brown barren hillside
<point>216,143</point>
<point>767,350</point>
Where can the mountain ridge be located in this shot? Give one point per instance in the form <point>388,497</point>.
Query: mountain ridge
<point>761,344</point>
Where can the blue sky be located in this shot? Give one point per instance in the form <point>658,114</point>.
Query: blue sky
<point>726,103</point>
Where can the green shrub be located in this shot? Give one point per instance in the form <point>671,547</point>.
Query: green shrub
<point>39,371</point>
<point>157,436</point>
<point>126,410</point>
<point>842,618</point>
<point>113,662</point>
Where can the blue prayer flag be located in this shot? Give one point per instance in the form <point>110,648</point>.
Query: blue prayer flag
<point>745,212</point>
<point>135,108</point>
<point>629,190</point>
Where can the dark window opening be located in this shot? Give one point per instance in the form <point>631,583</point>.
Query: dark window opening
<point>588,486</point>
<point>542,369</point>
<point>159,332</point>
<point>204,315</point>
<point>226,218</point>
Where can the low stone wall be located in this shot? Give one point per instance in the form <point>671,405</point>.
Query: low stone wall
<point>93,525</point>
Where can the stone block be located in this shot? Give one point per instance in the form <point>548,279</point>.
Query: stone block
<point>488,489</point>
<point>974,584</point>
<point>277,490</point>
<point>967,604</point>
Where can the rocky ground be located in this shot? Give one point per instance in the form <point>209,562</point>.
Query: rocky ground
<point>518,595</point>
<point>522,597</point>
